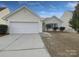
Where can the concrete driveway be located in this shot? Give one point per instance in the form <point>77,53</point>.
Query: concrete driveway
<point>22,45</point>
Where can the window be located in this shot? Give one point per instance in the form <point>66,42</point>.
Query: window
<point>55,25</point>
<point>52,25</point>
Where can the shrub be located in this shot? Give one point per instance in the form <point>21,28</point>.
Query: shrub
<point>3,29</point>
<point>62,28</point>
<point>74,22</point>
<point>55,28</point>
<point>78,31</point>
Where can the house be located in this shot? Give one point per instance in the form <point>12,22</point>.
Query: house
<point>3,12</point>
<point>53,22</point>
<point>66,17</point>
<point>23,20</point>
<point>62,22</point>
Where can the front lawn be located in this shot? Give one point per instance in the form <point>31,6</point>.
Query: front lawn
<point>62,44</point>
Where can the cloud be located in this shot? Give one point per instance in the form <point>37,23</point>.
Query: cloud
<point>22,2</point>
<point>52,7</point>
<point>71,5</point>
<point>29,3</point>
<point>33,3</point>
<point>45,14</point>
<point>3,6</point>
<point>42,12</point>
<point>36,4</point>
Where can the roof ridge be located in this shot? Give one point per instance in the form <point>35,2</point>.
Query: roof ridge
<point>18,9</point>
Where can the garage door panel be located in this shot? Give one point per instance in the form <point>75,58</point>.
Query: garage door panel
<point>24,27</point>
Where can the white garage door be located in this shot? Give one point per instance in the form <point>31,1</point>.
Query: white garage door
<point>19,27</point>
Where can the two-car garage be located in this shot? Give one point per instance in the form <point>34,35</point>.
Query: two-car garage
<point>24,27</point>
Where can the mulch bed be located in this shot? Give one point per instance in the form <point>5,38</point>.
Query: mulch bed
<point>3,34</point>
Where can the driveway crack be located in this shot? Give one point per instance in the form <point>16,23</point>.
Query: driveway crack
<point>11,43</point>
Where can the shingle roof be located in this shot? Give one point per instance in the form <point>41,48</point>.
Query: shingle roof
<point>53,17</point>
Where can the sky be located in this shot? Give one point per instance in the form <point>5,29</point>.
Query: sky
<point>42,8</point>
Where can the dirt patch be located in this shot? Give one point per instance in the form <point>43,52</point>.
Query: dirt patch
<point>62,44</point>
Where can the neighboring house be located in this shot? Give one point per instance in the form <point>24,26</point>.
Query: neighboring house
<point>53,21</point>
<point>62,22</point>
<point>3,12</point>
<point>23,20</point>
<point>67,16</point>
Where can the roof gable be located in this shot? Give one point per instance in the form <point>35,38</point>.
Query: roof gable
<point>53,18</point>
<point>18,10</point>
